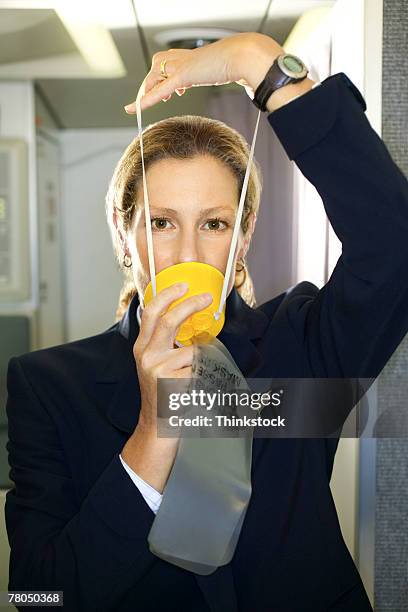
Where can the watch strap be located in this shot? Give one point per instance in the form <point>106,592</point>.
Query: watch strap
<point>274,79</point>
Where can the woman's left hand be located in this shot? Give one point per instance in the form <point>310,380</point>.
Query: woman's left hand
<point>243,58</point>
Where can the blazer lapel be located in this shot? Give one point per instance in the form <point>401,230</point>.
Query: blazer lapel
<point>242,328</point>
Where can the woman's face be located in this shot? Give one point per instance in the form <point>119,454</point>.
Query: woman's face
<point>193,204</point>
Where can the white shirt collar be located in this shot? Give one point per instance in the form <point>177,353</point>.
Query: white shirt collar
<point>139,314</point>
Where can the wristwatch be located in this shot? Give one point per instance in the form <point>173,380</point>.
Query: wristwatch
<point>286,68</point>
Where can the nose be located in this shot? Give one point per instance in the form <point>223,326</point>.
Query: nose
<point>187,247</point>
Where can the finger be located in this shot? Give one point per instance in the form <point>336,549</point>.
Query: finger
<point>152,80</point>
<point>176,359</point>
<point>155,77</point>
<point>184,373</point>
<point>162,90</point>
<point>131,107</point>
<point>168,325</point>
<point>154,309</point>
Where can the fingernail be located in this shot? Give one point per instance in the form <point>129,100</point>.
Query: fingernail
<point>207,297</point>
<point>182,287</point>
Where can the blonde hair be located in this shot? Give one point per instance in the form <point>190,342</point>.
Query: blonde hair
<point>178,138</point>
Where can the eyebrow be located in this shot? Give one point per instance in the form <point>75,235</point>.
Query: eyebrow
<point>202,211</point>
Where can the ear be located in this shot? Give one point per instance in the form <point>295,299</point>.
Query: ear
<point>247,239</point>
<point>123,241</point>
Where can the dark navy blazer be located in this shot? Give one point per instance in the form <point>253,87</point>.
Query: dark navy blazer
<point>75,520</point>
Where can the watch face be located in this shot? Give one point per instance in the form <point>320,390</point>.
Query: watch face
<point>292,66</point>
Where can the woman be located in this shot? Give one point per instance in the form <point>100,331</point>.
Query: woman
<point>82,416</point>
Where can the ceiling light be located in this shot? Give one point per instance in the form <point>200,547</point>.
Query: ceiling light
<point>94,41</point>
<point>111,14</point>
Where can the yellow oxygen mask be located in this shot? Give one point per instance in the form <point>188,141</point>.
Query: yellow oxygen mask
<point>200,277</point>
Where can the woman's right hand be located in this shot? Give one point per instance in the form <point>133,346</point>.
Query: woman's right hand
<point>154,351</point>
<point>148,455</point>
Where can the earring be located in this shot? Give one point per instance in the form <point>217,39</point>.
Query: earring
<point>127,265</point>
<point>241,267</point>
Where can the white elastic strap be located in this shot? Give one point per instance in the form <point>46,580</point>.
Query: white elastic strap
<point>150,252</point>
<point>234,239</point>
<point>237,224</point>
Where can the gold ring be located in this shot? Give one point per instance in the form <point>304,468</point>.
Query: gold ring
<point>163,72</point>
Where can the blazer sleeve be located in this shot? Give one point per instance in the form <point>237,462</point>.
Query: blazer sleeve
<point>93,550</point>
<point>355,322</point>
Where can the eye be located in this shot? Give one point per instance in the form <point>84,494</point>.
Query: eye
<point>161,223</point>
<point>215,225</point>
